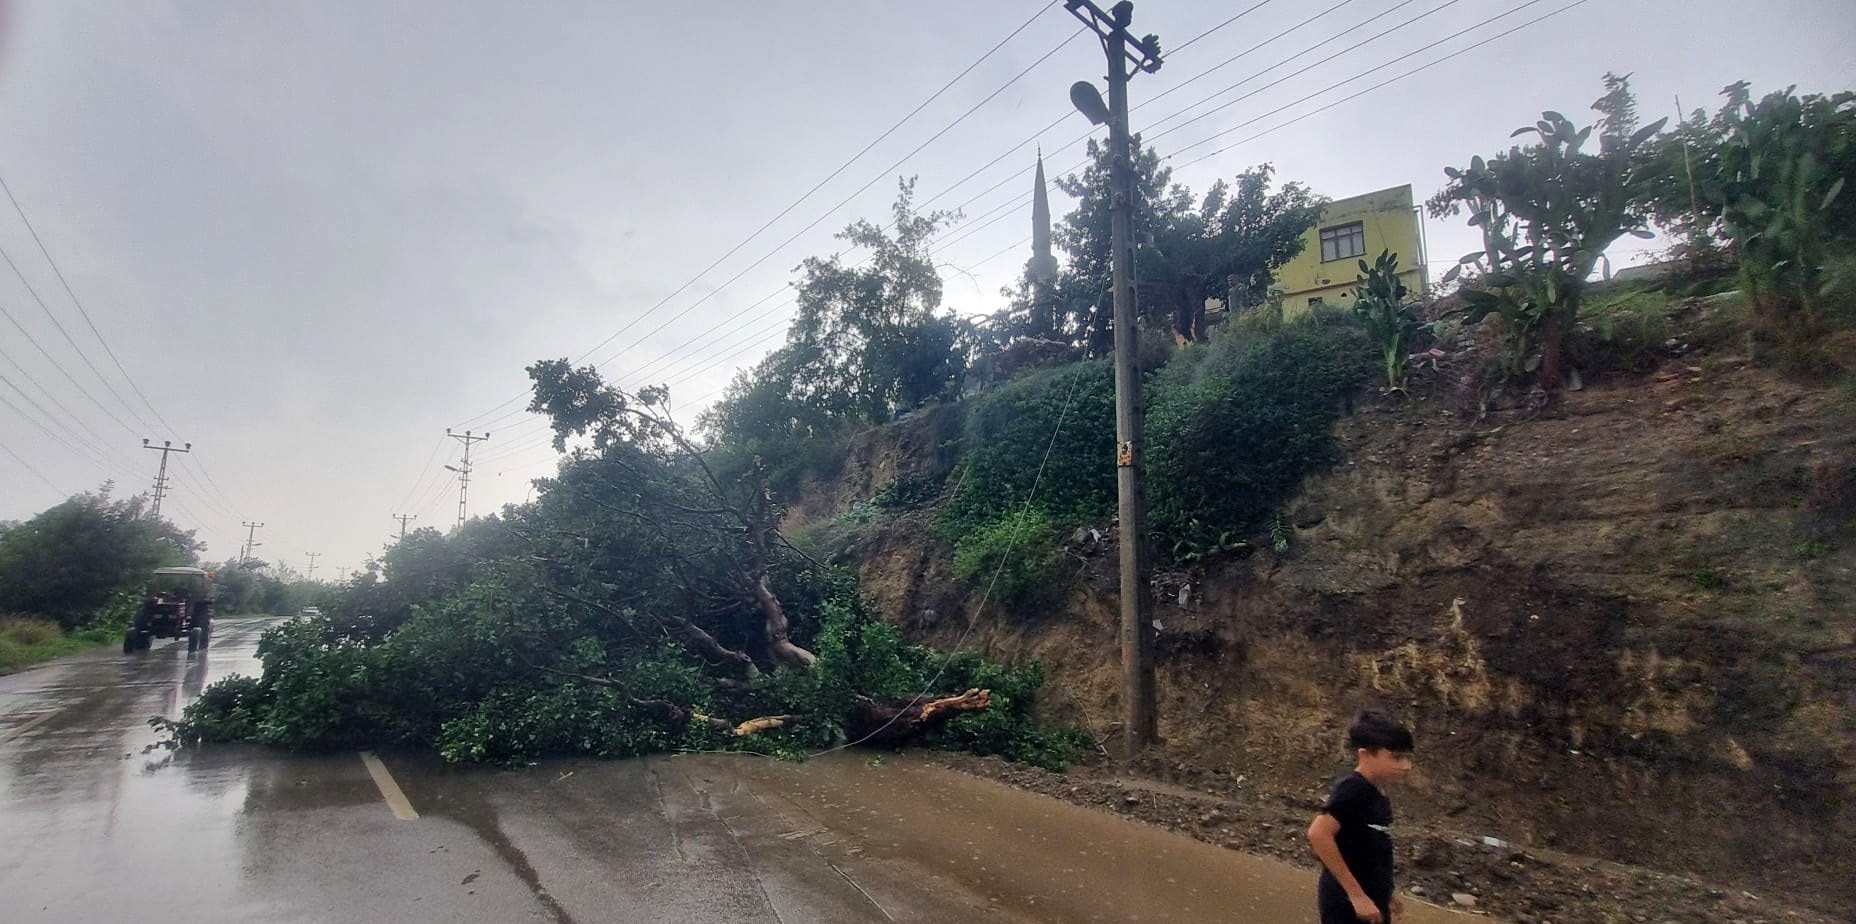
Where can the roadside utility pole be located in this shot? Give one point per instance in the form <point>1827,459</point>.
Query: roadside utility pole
<point>464,472</point>
<point>403,517</point>
<point>251,537</point>
<point>1140,721</point>
<point>161,475</point>
<point>312,564</point>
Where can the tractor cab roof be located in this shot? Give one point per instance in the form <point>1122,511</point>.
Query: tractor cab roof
<point>189,572</point>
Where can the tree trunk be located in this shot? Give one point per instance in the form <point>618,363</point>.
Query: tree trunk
<point>706,645</point>
<point>880,723</point>
<point>1182,314</point>
<point>779,645</point>
<point>1196,293</point>
<point>1552,351</point>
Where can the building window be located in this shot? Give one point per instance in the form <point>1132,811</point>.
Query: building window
<point>1343,241</point>
<point>1316,301</point>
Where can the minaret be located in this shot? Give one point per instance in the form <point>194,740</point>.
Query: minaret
<point>1043,267</point>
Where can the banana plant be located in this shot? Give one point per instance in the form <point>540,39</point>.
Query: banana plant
<point>1781,175</point>
<point>1380,302</point>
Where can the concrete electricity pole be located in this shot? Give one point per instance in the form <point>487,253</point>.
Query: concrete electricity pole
<point>312,564</point>
<point>403,517</point>
<point>1140,724</point>
<point>251,536</point>
<point>464,472</point>
<point>161,476</point>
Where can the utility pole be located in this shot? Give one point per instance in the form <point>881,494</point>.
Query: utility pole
<point>464,472</point>
<point>251,537</point>
<point>403,517</point>
<point>161,475</point>
<point>312,564</point>
<point>1140,725</point>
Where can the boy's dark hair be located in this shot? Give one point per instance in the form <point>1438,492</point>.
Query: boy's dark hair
<point>1377,731</point>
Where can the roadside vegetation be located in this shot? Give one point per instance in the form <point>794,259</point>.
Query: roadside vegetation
<point>72,576</point>
<point>648,600</point>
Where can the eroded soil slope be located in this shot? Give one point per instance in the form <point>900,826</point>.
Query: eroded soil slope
<point>1621,626</point>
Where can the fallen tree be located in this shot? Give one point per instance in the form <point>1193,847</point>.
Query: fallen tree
<point>645,600</point>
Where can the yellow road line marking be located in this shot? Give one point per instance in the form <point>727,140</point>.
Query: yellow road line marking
<point>28,726</point>
<point>389,790</point>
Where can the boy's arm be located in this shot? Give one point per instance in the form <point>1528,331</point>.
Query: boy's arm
<point>1321,833</point>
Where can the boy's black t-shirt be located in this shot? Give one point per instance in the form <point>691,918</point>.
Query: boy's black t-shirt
<point>1365,837</point>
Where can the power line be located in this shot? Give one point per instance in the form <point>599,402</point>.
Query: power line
<point>74,442</point>
<point>35,472</point>
<point>423,469</point>
<point>83,312</point>
<point>848,199</point>
<point>80,310</point>
<point>44,428</point>
<point>973,230</point>
<point>81,355</point>
<point>1182,45</point>
<point>783,212</point>
<point>1369,39</point>
<point>995,160</point>
<point>1242,55</point>
<point>1403,57</point>
<point>53,360</point>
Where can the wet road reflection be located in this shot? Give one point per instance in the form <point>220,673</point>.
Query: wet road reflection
<point>95,824</point>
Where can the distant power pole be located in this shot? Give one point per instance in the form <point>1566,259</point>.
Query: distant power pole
<point>1140,724</point>
<point>464,473</point>
<point>403,517</point>
<point>161,475</point>
<point>251,541</point>
<point>312,564</point>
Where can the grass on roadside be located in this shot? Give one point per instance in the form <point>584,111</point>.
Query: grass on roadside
<point>25,641</point>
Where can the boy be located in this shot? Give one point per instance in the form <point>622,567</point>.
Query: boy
<point>1353,833</point>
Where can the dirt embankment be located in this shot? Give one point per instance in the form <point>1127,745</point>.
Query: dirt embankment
<point>1622,629</point>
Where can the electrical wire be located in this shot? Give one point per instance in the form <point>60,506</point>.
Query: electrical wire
<point>1208,139</point>
<point>54,318</point>
<point>783,212</point>
<point>1183,45</point>
<point>35,472</point>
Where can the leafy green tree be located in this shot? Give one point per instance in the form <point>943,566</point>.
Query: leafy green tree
<point>69,561</point>
<point>1782,171</point>
<point>872,340</point>
<point>1187,250</point>
<point>869,342</point>
<point>1547,212</point>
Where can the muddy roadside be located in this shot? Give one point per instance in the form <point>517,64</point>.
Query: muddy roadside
<point>1453,868</point>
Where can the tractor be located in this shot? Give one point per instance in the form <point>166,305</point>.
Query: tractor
<point>179,604</point>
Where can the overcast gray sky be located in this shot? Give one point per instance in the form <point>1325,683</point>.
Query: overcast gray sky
<point>317,234</point>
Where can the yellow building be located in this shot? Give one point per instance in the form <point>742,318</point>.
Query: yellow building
<point>1351,230</point>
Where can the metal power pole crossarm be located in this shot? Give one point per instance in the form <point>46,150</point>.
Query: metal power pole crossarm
<point>1126,55</point>
<point>161,475</point>
<point>403,517</point>
<point>312,565</point>
<point>463,469</point>
<point>251,541</point>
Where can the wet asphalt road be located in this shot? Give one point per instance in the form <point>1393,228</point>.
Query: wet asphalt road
<point>96,826</point>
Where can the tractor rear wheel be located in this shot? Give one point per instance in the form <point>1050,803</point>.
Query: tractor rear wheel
<point>131,641</point>
<point>196,639</point>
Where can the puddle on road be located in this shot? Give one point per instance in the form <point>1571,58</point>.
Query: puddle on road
<point>1035,856</point>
